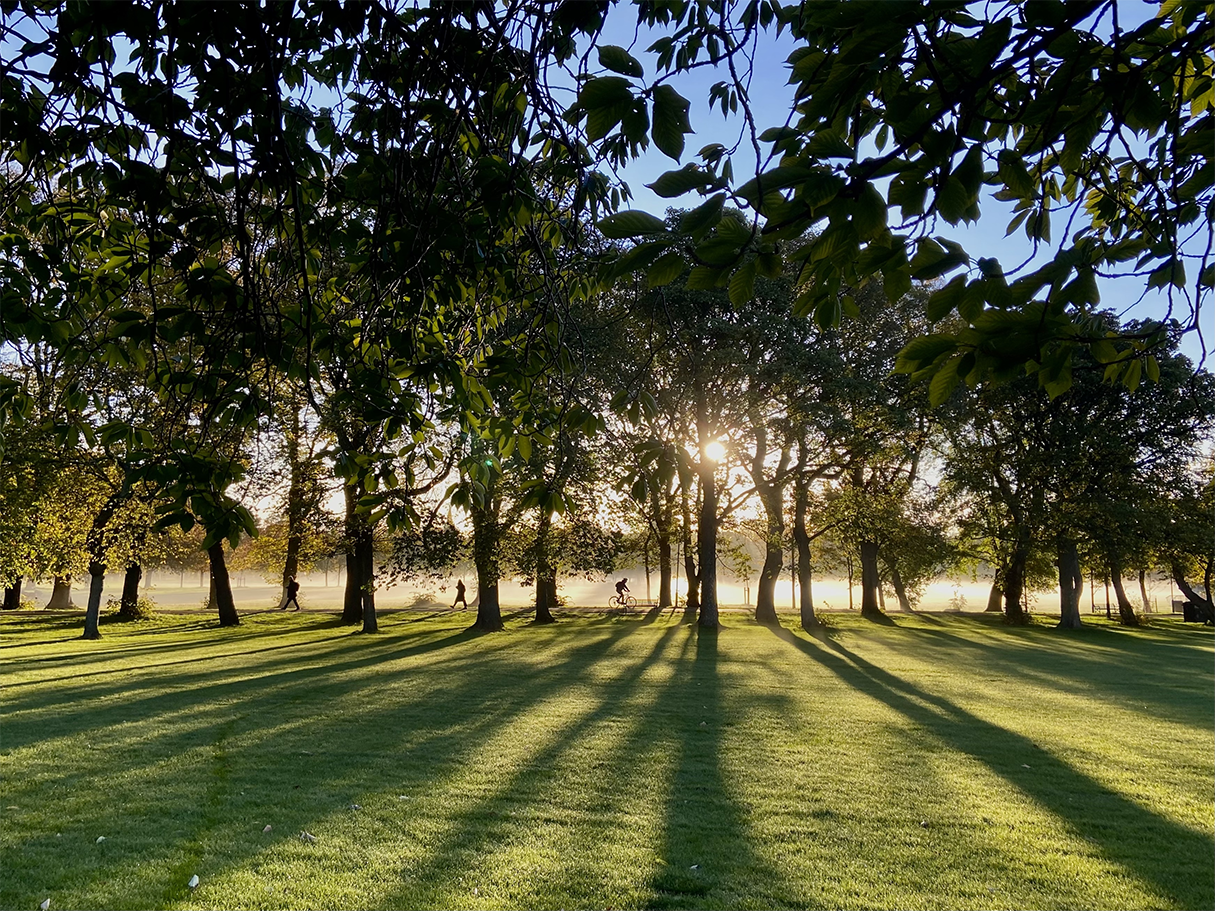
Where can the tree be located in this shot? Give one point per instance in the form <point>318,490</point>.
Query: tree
<point>1061,109</point>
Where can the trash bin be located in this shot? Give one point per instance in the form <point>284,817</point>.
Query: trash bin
<point>1189,612</point>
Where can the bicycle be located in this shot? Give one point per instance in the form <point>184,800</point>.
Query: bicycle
<point>622,602</point>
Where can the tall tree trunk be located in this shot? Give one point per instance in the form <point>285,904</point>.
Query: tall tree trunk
<point>366,554</point>
<point>485,556</point>
<point>352,601</point>
<point>805,569</point>
<point>706,541</point>
<point>869,580</point>
<point>896,580</point>
<point>12,595</point>
<point>1014,581</point>
<point>1126,613</point>
<point>96,544</point>
<point>765,591</point>
<point>128,608</point>
<point>1071,584</point>
<point>664,568</point>
<point>546,573</point>
<point>995,597</point>
<point>221,586</point>
<point>92,613</point>
<point>61,594</point>
<point>1147,607</point>
<point>691,608</point>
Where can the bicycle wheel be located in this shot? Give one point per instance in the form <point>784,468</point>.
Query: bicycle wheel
<point>630,603</point>
<point>614,604</point>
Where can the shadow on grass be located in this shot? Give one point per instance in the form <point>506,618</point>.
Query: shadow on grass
<point>699,814</point>
<point>1141,669</point>
<point>1083,803</point>
<point>218,713</point>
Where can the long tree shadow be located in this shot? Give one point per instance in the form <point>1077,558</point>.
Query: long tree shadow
<point>699,816</point>
<point>1145,674</point>
<point>1034,771</point>
<point>424,729</point>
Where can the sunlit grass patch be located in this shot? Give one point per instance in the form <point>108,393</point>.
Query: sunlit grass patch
<point>607,762</point>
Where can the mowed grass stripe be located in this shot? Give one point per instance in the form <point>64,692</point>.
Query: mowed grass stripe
<point>608,762</point>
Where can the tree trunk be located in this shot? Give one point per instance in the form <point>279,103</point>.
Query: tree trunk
<point>706,540</point>
<point>365,551</point>
<point>1126,613</point>
<point>61,594</point>
<point>805,569</point>
<point>129,606</point>
<point>221,586</point>
<point>664,568</point>
<point>92,613</point>
<point>485,557</point>
<point>995,598</point>
<point>869,580</point>
<point>765,591</point>
<point>1071,584</point>
<point>1014,583</point>
<point>12,595</point>
<point>1205,605</point>
<point>546,573</point>
<point>896,580</point>
<point>691,607</point>
<point>1147,607</point>
<point>352,601</point>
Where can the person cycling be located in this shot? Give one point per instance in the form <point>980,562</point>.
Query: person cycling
<point>621,587</point>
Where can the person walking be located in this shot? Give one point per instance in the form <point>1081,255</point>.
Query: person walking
<point>460,599</point>
<point>293,590</point>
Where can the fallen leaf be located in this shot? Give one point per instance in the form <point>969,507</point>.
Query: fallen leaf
<point>267,829</point>
<point>193,883</point>
<point>694,867</point>
<point>1024,766</point>
<point>404,797</point>
<point>12,808</point>
<point>355,806</point>
<point>100,839</point>
<point>704,724</point>
<point>45,906</point>
<point>307,838</point>
<point>923,823</point>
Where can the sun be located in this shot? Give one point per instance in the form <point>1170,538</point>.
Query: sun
<point>714,451</point>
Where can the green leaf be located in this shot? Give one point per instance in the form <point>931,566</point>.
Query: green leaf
<point>869,212</point>
<point>700,220</point>
<point>742,285</point>
<point>618,60</point>
<point>829,144</point>
<point>927,348</point>
<point>705,278</point>
<point>778,178</point>
<point>665,270</point>
<point>1012,171</point>
<point>953,200</point>
<point>605,92</point>
<point>670,121</point>
<point>944,382</point>
<point>630,223</point>
<point>945,299</point>
<point>1152,366</point>
<point>676,183</point>
<point>768,265</point>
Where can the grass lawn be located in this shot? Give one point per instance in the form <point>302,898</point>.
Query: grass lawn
<point>939,761</point>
